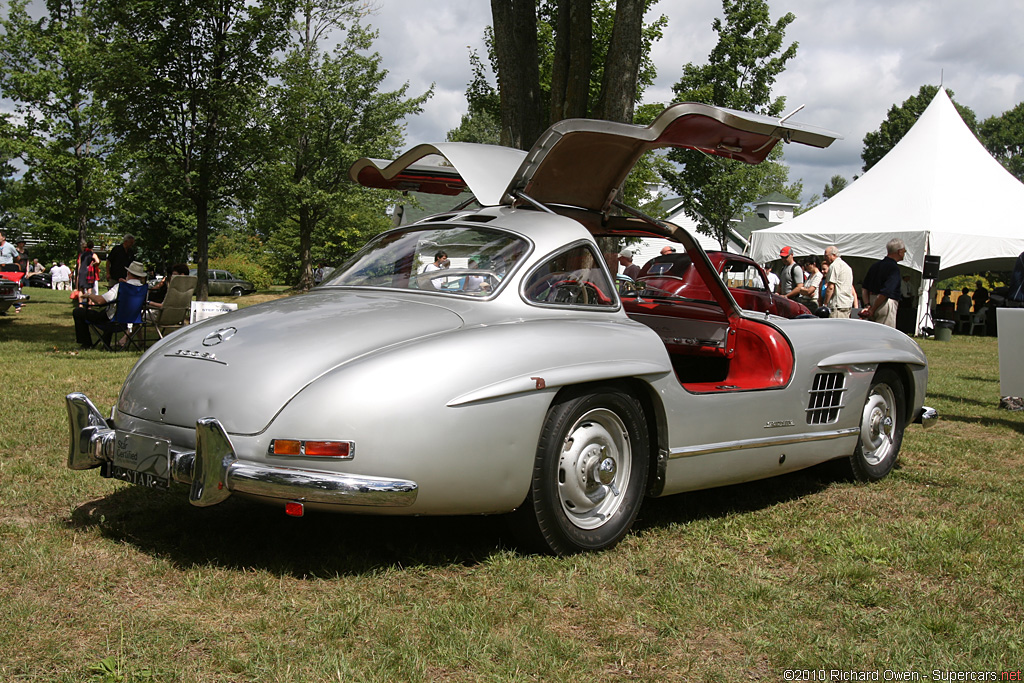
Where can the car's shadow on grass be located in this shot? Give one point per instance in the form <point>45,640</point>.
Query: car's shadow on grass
<point>740,498</point>
<point>245,535</point>
<point>1016,425</point>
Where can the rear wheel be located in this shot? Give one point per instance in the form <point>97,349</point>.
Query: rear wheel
<point>882,421</point>
<point>588,476</point>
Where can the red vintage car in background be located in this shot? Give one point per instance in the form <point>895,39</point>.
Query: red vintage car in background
<point>746,279</point>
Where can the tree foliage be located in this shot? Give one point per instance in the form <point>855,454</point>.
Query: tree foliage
<point>592,60</point>
<point>48,68</point>
<point>1003,136</point>
<point>183,81</point>
<point>901,119</point>
<point>326,112</point>
<point>557,59</point>
<point>739,74</point>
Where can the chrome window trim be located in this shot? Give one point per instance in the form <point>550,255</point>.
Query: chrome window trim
<point>741,445</point>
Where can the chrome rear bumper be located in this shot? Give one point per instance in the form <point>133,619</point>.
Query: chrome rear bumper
<point>214,471</point>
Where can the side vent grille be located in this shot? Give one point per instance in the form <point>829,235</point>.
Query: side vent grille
<point>826,398</point>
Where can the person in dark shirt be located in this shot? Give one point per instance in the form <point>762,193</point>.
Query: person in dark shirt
<point>119,259</point>
<point>882,285</point>
<point>980,296</point>
<point>629,269</point>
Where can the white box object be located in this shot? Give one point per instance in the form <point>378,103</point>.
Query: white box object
<point>1010,323</point>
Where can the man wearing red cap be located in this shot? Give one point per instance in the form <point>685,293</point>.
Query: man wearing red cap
<point>792,275</point>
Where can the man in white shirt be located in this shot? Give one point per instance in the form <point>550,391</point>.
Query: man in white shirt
<point>440,262</point>
<point>8,252</point>
<point>84,315</point>
<point>839,295</point>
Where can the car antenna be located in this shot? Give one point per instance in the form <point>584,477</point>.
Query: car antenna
<point>792,113</point>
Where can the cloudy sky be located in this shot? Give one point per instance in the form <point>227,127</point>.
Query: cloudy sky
<point>856,58</point>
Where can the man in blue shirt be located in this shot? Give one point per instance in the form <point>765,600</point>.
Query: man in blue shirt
<point>881,289</point>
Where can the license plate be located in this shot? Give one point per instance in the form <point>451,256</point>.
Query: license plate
<point>140,460</point>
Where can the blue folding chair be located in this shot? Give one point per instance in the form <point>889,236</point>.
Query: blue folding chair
<point>127,319</point>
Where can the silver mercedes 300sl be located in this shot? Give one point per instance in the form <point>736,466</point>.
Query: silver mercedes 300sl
<point>482,362</point>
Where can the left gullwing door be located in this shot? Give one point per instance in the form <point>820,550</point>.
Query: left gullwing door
<point>448,168</point>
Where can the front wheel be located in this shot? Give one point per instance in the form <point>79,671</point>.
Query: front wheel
<point>882,421</point>
<point>589,474</point>
<point>237,291</point>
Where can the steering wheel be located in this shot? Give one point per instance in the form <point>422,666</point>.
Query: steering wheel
<point>569,292</point>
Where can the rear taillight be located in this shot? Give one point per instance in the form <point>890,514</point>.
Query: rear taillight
<point>344,450</point>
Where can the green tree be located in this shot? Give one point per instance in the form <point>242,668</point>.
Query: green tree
<point>482,123</point>
<point>901,119</point>
<point>1003,136</point>
<point>48,68</point>
<point>183,81</point>
<point>739,74</point>
<point>328,111</point>
<point>834,186</point>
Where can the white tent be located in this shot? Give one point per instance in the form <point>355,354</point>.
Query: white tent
<point>938,189</point>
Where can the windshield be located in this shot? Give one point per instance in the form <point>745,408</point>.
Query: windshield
<point>462,261</point>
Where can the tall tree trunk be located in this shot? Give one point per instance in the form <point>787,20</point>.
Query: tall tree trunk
<point>202,205</point>
<point>515,45</point>
<point>618,87</point>
<point>306,224</point>
<point>570,74</point>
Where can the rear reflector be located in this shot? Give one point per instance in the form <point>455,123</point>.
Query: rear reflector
<point>294,509</point>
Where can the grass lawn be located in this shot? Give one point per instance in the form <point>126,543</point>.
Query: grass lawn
<point>103,581</point>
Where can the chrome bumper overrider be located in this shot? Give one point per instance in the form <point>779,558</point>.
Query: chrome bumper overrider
<point>927,417</point>
<point>214,472</point>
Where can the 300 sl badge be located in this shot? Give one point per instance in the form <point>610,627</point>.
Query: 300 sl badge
<point>778,423</point>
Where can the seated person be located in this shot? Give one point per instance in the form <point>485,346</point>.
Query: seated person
<point>158,291</point>
<point>84,315</point>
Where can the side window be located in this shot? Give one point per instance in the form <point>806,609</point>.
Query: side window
<point>754,280</point>
<point>571,278</point>
<point>739,275</point>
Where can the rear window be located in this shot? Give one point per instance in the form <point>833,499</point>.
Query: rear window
<point>669,265</point>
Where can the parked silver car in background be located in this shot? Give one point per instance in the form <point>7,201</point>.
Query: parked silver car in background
<point>517,380</point>
<point>223,283</point>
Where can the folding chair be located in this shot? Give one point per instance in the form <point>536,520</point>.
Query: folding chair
<point>176,305</point>
<point>131,299</point>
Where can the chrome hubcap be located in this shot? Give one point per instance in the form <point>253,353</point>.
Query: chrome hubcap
<point>593,468</point>
<point>877,425</point>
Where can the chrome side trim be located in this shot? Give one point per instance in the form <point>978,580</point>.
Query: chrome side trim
<point>214,472</point>
<point>724,446</point>
<point>927,417</point>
